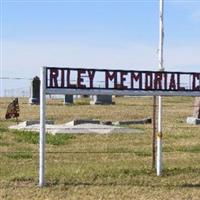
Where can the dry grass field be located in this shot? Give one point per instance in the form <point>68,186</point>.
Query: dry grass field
<point>115,166</point>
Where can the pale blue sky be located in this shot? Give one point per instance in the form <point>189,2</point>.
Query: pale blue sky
<point>97,34</point>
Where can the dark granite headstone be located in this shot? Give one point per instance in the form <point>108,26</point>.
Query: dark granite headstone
<point>102,100</point>
<point>68,99</point>
<point>35,91</point>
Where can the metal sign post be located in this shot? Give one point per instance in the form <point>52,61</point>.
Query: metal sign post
<point>161,68</point>
<point>42,127</point>
<point>154,134</point>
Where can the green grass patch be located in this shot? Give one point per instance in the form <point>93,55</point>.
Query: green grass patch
<point>82,101</point>
<point>19,155</point>
<point>107,166</point>
<point>28,137</point>
<point>60,139</point>
<point>33,138</point>
<point>182,136</point>
<point>187,149</point>
<point>4,144</point>
<point>190,149</point>
<point>169,148</point>
<point>3,129</point>
<point>180,170</point>
<point>138,152</point>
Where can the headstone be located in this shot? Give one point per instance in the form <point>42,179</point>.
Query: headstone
<point>68,99</point>
<point>195,119</point>
<point>101,100</point>
<point>196,110</point>
<point>35,91</point>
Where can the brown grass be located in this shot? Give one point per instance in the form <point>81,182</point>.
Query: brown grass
<point>116,166</point>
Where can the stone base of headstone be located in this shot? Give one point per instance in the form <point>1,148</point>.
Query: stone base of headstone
<point>33,122</point>
<point>83,121</point>
<point>132,122</point>
<point>102,100</point>
<point>34,101</point>
<point>193,120</point>
<point>68,100</point>
<point>107,123</point>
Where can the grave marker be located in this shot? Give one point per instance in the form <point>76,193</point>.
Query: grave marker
<point>195,119</point>
<point>101,100</point>
<point>35,91</point>
<point>68,99</point>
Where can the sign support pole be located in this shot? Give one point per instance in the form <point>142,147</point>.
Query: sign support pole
<point>161,68</point>
<point>154,134</point>
<point>42,126</point>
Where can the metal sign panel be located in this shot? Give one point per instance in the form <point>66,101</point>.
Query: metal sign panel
<point>121,82</point>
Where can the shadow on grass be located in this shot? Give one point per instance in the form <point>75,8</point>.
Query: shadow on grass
<point>123,177</point>
<point>191,185</point>
<point>19,155</point>
<point>91,183</point>
<point>177,171</point>
<point>32,182</point>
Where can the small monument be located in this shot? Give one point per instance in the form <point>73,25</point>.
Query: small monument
<point>35,91</point>
<point>68,99</point>
<point>195,119</point>
<point>101,100</point>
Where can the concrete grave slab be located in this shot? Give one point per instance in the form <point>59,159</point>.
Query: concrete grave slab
<point>30,123</point>
<point>193,120</point>
<point>83,128</point>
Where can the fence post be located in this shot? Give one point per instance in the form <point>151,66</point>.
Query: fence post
<point>159,138</point>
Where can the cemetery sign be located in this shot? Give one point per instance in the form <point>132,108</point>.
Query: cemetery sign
<point>85,81</point>
<point>121,82</point>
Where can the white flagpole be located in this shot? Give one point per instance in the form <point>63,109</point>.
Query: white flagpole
<point>161,68</point>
